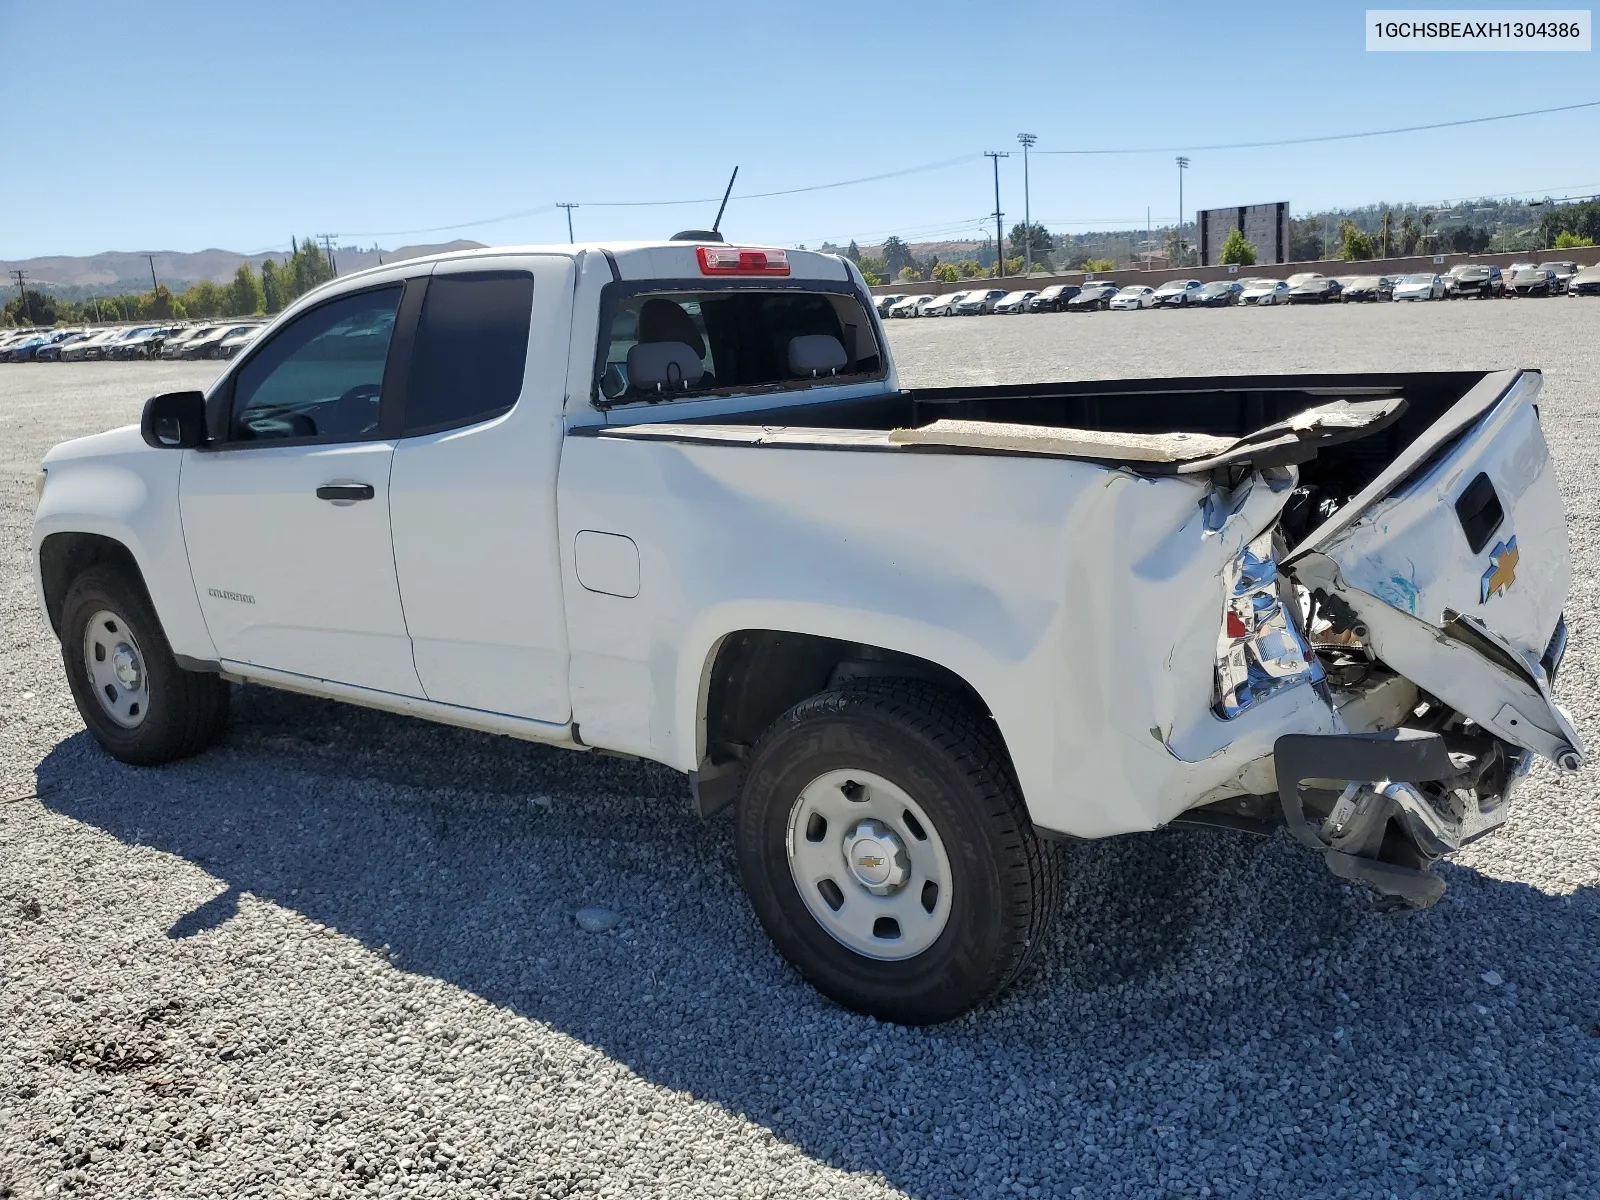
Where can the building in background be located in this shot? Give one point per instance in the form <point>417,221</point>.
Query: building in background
<point>1265,226</point>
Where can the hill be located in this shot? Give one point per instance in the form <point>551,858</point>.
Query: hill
<point>118,271</point>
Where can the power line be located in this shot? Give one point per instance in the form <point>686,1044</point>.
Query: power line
<point>816,187</point>
<point>1332,137</point>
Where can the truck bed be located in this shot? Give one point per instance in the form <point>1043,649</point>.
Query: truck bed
<point>1334,464</point>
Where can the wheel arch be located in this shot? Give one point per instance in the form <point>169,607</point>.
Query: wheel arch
<point>65,556</point>
<point>752,676</point>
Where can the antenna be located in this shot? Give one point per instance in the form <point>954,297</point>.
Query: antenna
<point>728,192</point>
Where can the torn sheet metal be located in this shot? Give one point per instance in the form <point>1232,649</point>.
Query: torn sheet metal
<point>1065,443</point>
<point>1505,689</point>
<point>1280,444</point>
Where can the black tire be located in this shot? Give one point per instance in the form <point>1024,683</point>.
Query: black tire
<point>187,709</point>
<point>1004,877</point>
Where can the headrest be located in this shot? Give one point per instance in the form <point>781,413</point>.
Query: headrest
<point>665,321</point>
<point>662,366</point>
<point>816,354</point>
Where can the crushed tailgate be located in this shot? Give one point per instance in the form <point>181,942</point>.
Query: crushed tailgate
<point>1455,561</point>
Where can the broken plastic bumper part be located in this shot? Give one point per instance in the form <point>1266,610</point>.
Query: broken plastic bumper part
<point>1406,800</point>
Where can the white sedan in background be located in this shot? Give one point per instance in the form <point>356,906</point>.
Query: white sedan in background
<point>945,305</point>
<point>979,303</point>
<point>910,306</point>
<point>1135,295</point>
<point>1264,292</point>
<point>1014,302</point>
<point>1420,287</point>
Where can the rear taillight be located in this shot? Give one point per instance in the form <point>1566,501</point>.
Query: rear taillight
<point>1260,647</point>
<point>741,260</point>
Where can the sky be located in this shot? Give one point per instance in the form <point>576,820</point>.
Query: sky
<point>195,125</point>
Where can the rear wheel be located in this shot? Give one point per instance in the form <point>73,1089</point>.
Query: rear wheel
<point>888,854</point>
<point>134,698</point>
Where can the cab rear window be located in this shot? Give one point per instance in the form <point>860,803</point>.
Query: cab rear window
<point>671,344</point>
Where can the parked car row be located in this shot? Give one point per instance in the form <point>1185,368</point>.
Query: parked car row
<point>1463,281</point>
<point>205,339</point>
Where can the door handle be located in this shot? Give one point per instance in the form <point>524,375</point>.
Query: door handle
<point>347,492</point>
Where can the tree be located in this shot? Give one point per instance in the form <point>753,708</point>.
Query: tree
<point>897,255</point>
<point>1572,241</point>
<point>910,274</point>
<point>1408,235</point>
<point>245,295</point>
<point>945,273</point>
<point>853,253</point>
<point>872,277</point>
<point>1580,220</point>
<point>1388,217</point>
<point>205,299</point>
<point>1093,266</point>
<point>1237,250</point>
<point>33,307</point>
<point>1012,266</point>
<point>160,304</point>
<point>1305,239</point>
<point>1041,241</point>
<point>969,268</point>
<point>1427,229</point>
<point>273,287</point>
<point>1354,245</point>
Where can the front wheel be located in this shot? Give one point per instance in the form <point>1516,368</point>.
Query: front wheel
<point>888,854</point>
<point>135,699</point>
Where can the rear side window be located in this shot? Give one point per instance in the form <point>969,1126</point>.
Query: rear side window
<point>471,349</point>
<point>670,344</point>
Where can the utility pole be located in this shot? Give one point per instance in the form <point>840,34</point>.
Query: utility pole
<point>22,294</point>
<point>151,259</point>
<point>1183,164</point>
<point>999,241</point>
<point>1027,140</point>
<point>327,248</point>
<point>569,208</point>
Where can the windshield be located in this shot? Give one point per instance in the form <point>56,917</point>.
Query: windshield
<point>1531,273</point>
<point>1297,280</point>
<point>1219,286</point>
<point>1133,289</point>
<point>1473,272</point>
<point>744,338</point>
<point>1419,279</point>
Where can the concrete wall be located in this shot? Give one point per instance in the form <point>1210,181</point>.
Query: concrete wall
<point>1379,266</point>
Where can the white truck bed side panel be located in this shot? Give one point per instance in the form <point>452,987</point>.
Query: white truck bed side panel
<point>1081,604</point>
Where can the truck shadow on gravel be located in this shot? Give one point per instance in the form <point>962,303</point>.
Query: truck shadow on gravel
<point>1212,1010</point>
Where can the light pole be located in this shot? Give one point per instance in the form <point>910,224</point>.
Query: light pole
<point>1027,140</point>
<point>569,208</point>
<point>1183,163</point>
<point>999,243</point>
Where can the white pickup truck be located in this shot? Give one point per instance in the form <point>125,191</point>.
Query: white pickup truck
<point>670,500</point>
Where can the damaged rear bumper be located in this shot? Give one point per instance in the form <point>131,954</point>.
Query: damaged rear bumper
<point>1382,807</point>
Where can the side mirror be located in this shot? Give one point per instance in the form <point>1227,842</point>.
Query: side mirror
<point>174,420</point>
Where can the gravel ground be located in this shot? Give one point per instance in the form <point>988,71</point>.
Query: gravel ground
<point>338,955</point>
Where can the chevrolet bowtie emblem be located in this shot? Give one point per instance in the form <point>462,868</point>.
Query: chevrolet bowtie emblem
<point>870,861</point>
<point>1502,572</point>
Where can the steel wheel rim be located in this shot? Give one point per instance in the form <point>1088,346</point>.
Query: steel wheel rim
<point>869,865</point>
<point>116,669</point>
